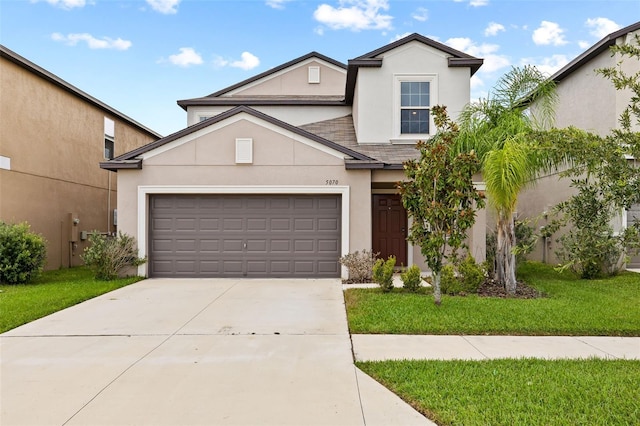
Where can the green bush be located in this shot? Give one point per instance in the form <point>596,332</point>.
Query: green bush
<point>470,274</point>
<point>449,283</point>
<point>360,265</point>
<point>108,256</point>
<point>22,253</point>
<point>383,273</point>
<point>411,279</point>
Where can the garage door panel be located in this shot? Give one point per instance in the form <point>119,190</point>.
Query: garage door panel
<point>244,235</point>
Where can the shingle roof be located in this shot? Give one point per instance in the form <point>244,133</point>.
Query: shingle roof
<point>341,131</point>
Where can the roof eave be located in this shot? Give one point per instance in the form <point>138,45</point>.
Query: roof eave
<point>115,165</point>
<point>257,102</point>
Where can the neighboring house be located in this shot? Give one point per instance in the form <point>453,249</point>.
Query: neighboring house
<point>283,173</point>
<point>589,101</point>
<point>52,138</point>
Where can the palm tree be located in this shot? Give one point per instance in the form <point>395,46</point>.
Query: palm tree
<point>497,129</point>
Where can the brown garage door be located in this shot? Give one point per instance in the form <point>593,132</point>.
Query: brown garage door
<point>244,236</point>
<point>633,215</point>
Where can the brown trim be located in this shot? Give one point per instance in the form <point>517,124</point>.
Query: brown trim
<point>114,166</point>
<point>592,52</point>
<point>131,155</point>
<point>12,56</point>
<point>459,59</point>
<point>188,102</point>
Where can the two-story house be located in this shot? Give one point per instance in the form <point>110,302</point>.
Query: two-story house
<point>52,138</point>
<point>282,174</point>
<point>589,101</point>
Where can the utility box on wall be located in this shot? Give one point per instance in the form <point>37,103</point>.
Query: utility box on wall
<point>74,221</point>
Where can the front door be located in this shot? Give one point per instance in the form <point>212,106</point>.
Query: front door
<point>390,227</point>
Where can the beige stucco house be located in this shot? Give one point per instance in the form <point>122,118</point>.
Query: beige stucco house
<point>588,101</point>
<point>283,173</point>
<point>52,138</point>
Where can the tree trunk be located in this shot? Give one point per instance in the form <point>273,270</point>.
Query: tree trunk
<point>436,287</point>
<point>505,259</point>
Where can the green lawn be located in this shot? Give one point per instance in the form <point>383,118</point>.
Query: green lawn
<point>516,392</point>
<point>53,291</point>
<point>571,307</point>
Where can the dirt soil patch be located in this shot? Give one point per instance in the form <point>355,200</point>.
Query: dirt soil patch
<point>490,288</point>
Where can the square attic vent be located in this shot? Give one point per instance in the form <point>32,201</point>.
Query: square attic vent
<point>244,150</point>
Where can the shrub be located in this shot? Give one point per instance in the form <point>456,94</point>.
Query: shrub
<point>383,273</point>
<point>22,253</point>
<point>449,284</point>
<point>470,274</point>
<point>360,265</point>
<point>108,256</point>
<point>525,240</point>
<point>411,279</point>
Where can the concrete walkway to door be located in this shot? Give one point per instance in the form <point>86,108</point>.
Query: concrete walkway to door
<point>187,352</point>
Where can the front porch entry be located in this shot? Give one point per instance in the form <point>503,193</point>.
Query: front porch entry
<point>389,227</point>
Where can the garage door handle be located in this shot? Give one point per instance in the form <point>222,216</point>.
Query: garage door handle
<point>244,245</point>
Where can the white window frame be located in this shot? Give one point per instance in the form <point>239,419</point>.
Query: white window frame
<point>432,79</point>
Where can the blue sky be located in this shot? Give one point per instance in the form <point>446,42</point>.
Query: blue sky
<point>141,56</point>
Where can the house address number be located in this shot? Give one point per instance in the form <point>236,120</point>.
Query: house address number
<point>331,182</point>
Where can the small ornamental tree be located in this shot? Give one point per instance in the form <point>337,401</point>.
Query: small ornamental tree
<point>440,197</point>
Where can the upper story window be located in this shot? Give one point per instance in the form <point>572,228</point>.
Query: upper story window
<point>109,138</point>
<point>414,95</point>
<point>414,107</point>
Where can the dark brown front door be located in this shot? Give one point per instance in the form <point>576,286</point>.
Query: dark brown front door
<point>390,227</point>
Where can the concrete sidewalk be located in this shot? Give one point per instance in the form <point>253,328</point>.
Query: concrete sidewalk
<point>189,352</point>
<point>375,347</point>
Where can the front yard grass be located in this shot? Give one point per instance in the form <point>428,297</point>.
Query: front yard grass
<point>516,391</point>
<point>571,307</point>
<point>53,291</point>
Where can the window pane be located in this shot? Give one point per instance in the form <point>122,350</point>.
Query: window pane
<point>108,149</point>
<point>404,88</point>
<point>414,121</point>
<point>405,99</point>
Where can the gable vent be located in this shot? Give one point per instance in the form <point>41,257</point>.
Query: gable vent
<point>314,75</point>
<point>244,150</point>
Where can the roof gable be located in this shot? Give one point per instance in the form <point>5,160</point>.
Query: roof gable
<point>603,45</point>
<point>133,160</point>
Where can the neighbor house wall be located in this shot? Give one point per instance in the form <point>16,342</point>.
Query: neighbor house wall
<point>55,140</point>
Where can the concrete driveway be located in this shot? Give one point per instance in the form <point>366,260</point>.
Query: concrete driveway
<point>195,352</point>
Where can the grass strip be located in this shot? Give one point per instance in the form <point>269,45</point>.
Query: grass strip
<point>571,307</point>
<point>53,291</point>
<point>516,391</point>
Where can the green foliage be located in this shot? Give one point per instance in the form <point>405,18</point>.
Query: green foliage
<point>50,292</point>
<point>470,274</point>
<point>596,392</point>
<point>498,129</point>
<point>360,265</point>
<point>108,256</point>
<point>449,283</point>
<point>383,273</point>
<point>440,197</point>
<point>411,278</point>
<point>606,182</point>
<point>22,253</point>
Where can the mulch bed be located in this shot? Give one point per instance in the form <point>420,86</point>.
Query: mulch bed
<point>492,289</point>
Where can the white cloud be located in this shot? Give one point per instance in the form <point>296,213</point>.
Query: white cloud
<point>399,36</point>
<point>478,3</point>
<point>355,15</point>
<point>476,82</point>
<point>493,29</point>
<point>602,27</point>
<point>584,44</point>
<point>92,42</point>
<point>66,4</point>
<point>492,60</point>
<point>547,65</point>
<point>276,4</point>
<point>167,7</point>
<point>421,14</point>
<point>248,61</point>
<point>549,33</point>
<point>187,57</point>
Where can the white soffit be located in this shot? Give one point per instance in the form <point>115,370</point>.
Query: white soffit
<point>234,119</point>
